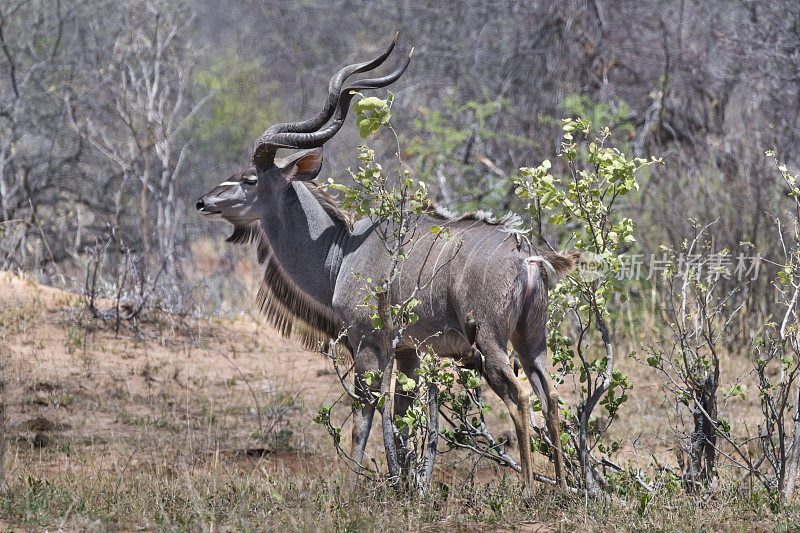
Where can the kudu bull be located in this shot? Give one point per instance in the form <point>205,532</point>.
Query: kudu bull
<point>310,250</point>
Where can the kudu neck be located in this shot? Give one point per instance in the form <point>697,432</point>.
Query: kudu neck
<point>306,241</point>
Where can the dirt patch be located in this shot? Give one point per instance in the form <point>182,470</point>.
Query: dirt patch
<point>77,383</point>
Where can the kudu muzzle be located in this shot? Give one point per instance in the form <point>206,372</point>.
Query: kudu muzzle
<point>227,201</point>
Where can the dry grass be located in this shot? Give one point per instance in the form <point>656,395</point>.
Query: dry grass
<point>161,430</point>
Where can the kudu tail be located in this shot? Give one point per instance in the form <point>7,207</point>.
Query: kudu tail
<point>554,264</point>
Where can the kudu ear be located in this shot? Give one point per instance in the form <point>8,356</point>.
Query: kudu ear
<point>302,166</point>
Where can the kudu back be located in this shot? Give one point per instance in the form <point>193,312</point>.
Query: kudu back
<point>311,251</point>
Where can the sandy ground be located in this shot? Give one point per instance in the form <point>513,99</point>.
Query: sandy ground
<point>70,378</point>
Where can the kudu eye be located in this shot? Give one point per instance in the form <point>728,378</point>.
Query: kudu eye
<point>252,180</point>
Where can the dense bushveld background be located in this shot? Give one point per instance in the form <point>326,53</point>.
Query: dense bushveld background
<point>145,392</point>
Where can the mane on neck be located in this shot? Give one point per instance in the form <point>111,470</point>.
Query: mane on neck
<point>284,303</point>
<point>510,222</point>
<point>330,205</point>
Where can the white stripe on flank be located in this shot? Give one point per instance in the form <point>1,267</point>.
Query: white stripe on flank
<point>488,260</point>
<point>444,247</point>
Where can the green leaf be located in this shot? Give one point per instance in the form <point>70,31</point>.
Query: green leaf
<point>364,129</point>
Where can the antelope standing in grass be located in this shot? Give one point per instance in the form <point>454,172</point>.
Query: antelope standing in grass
<point>310,250</point>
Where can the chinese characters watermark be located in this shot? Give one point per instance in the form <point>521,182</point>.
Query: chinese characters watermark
<point>708,268</point>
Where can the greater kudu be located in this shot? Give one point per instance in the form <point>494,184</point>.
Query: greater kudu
<point>310,250</point>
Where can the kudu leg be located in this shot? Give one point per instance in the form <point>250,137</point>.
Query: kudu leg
<point>362,418</point>
<point>362,425</point>
<point>505,384</point>
<point>553,423</point>
<point>534,363</point>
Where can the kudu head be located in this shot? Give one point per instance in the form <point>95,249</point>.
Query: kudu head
<point>241,198</point>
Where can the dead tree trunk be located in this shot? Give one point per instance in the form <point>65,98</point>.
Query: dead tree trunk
<point>698,470</point>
